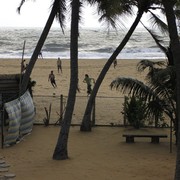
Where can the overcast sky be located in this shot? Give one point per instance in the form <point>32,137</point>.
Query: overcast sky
<point>34,13</point>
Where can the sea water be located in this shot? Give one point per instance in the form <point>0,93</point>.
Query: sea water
<point>93,43</point>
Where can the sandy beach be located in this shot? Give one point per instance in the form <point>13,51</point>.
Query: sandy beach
<point>125,68</point>
<point>45,94</point>
<point>101,154</point>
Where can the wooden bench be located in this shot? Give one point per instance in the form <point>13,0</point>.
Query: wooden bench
<point>154,137</point>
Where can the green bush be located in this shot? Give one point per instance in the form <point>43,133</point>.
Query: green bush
<point>134,111</point>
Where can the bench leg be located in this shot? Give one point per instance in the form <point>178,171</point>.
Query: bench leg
<point>155,140</point>
<point>130,139</point>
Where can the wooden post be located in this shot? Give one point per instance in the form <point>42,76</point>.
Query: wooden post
<point>21,71</point>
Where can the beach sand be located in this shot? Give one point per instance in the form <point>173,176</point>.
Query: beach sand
<point>125,68</point>
<point>101,154</point>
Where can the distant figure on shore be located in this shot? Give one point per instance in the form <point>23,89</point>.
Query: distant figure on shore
<point>51,78</point>
<point>59,65</point>
<point>78,89</point>
<point>23,66</point>
<point>89,81</point>
<point>40,55</point>
<point>115,63</point>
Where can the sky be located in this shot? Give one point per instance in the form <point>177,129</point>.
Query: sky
<point>34,13</point>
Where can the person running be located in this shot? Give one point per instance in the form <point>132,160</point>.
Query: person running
<point>59,65</point>
<point>89,82</point>
<point>52,79</point>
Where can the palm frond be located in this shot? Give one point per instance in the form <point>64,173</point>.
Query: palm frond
<point>19,8</point>
<point>155,109</point>
<point>61,11</point>
<point>165,79</point>
<point>159,79</point>
<point>153,68</point>
<point>145,63</point>
<point>177,13</point>
<point>134,87</point>
<point>157,39</point>
<point>156,21</point>
<point>110,11</point>
<point>165,74</point>
<point>21,4</point>
<point>177,4</point>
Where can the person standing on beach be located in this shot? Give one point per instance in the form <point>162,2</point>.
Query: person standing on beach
<point>78,89</point>
<point>89,82</point>
<point>23,66</point>
<point>59,65</point>
<point>51,78</point>
<point>115,63</point>
<point>40,54</point>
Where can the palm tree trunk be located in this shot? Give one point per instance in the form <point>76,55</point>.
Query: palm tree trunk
<point>175,46</point>
<point>61,151</point>
<point>86,122</point>
<point>39,45</point>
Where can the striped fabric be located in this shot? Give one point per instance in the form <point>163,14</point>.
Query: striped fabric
<point>20,113</point>
<point>27,113</point>
<point>13,109</point>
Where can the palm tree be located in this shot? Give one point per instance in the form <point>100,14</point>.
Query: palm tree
<point>61,151</point>
<point>57,10</point>
<point>175,46</point>
<point>143,6</point>
<point>158,92</point>
<point>86,122</point>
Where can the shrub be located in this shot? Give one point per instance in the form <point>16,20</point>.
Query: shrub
<point>134,111</point>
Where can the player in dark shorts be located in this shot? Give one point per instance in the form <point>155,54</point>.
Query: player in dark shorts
<point>52,79</point>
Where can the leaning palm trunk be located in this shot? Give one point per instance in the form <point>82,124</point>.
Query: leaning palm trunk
<point>86,122</point>
<point>175,46</point>
<point>39,45</point>
<point>61,151</point>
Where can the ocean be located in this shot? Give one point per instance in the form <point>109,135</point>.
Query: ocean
<point>93,44</point>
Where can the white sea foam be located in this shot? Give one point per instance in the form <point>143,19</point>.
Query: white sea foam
<point>93,44</point>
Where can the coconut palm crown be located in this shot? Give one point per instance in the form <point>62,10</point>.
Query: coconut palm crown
<point>158,90</point>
